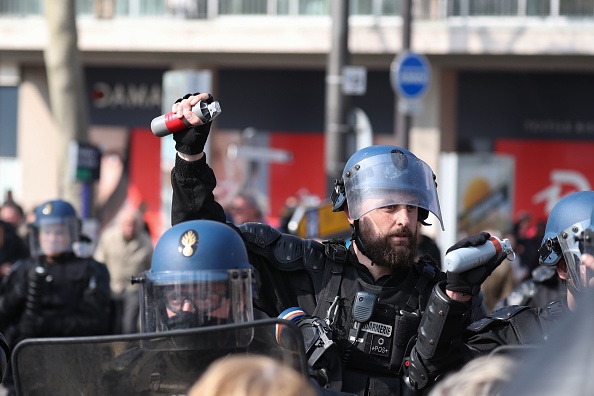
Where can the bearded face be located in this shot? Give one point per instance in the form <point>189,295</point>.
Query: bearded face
<point>383,249</point>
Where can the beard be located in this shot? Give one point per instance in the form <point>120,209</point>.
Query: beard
<point>385,252</point>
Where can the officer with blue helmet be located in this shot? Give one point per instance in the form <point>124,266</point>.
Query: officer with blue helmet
<point>200,276</point>
<point>562,247</point>
<point>55,229</point>
<point>54,293</point>
<point>562,244</point>
<point>372,294</point>
<point>378,177</point>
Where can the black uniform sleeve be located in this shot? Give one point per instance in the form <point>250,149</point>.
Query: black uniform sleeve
<point>193,183</point>
<point>439,347</point>
<point>13,293</point>
<point>445,345</point>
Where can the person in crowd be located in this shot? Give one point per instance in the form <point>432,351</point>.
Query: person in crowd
<point>444,343</point>
<point>54,293</point>
<point>527,243</point>
<point>13,213</point>
<point>126,248</point>
<point>12,248</point>
<point>484,376</point>
<point>245,208</point>
<point>372,294</point>
<point>540,372</point>
<point>241,375</point>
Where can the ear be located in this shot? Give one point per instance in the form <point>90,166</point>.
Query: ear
<point>349,218</point>
<point>562,269</point>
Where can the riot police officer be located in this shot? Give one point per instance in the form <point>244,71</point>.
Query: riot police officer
<point>441,346</point>
<point>54,293</point>
<point>200,276</point>
<point>372,294</point>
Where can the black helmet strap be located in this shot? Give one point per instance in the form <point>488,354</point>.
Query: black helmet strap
<point>356,237</point>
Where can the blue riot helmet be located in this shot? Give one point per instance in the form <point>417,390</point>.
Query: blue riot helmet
<point>199,276</point>
<point>55,229</point>
<point>379,176</point>
<point>570,216</point>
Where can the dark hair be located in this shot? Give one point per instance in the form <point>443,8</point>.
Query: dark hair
<point>14,205</point>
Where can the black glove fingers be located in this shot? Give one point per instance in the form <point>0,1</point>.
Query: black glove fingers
<point>192,140</point>
<point>473,240</point>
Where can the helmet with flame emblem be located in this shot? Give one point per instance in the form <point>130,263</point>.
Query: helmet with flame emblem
<point>200,276</point>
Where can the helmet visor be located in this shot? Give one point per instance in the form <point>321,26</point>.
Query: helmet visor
<point>195,299</point>
<point>51,238</point>
<point>569,240</point>
<point>390,179</point>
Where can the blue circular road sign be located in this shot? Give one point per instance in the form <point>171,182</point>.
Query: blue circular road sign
<point>410,75</point>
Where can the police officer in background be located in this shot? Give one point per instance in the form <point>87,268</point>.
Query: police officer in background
<point>372,294</point>
<point>444,345</point>
<point>54,293</point>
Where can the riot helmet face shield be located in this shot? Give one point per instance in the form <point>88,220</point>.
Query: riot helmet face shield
<point>55,229</point>
<point>566,224</point>
<point>200,275</point>
<point>569,242</point>
<point>396,177</point>
<point>202,298</point>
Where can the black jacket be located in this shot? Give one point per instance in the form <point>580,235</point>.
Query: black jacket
<point>72,299</point>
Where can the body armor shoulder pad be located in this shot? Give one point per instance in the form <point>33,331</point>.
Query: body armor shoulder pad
<point>543,273</point>
<point>285,250</point>
<point>499,315</point>
<point>294,253</point>
<point>258,233</point>
<point>428,267</point>
<point>314,255</point>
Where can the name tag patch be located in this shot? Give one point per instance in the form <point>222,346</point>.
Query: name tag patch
<point>378,328</point>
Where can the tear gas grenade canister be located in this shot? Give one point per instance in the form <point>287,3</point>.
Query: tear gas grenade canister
<point>166,124</point>
<point>467,258</point>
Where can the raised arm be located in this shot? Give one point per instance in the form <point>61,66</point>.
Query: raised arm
<point>192,180</point>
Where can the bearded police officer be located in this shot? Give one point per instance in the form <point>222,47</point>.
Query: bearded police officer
<point>372,295</point>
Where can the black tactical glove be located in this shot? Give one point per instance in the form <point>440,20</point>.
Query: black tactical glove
<point>183,320</point>
<point>469,282</point>
<point>192,140</point>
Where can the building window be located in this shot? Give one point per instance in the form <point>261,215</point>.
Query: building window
<point>8,121</point>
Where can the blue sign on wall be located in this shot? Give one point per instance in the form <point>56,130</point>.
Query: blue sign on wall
<point>410,75</point>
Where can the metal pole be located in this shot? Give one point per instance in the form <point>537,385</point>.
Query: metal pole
<point>403,121</point>
<point>337,129</point>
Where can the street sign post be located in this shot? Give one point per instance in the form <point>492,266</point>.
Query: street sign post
<point>410,75</point>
